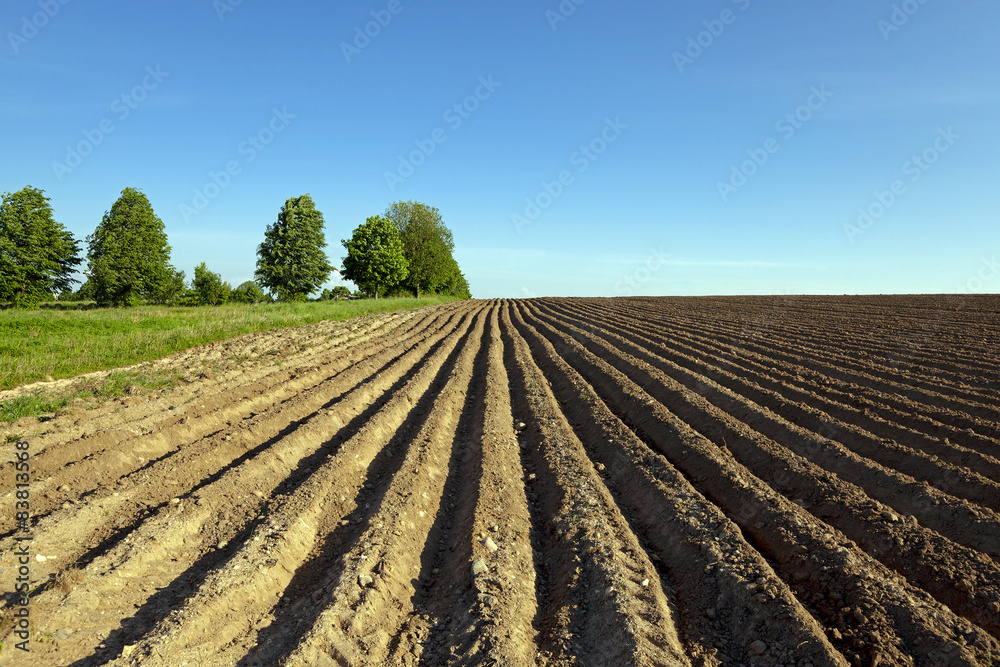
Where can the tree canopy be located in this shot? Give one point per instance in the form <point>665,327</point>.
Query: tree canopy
<point>38,255</point>
<point>375,260</point>
<point>427,245</point>
<point>128,254</point>
<point>209,287</point>
<point>248,292</point>
<point>291,262</point>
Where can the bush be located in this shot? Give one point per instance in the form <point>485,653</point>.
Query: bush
<point>209,287</point>
<point>248,292</point>
<point>338,292</point>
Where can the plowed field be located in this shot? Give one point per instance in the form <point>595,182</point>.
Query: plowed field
<point>712,481</point>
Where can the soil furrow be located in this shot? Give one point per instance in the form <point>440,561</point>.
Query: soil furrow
<point>965,580</point>
<point>726,392</point>
<point>694,482</point>
<point>116,456</point>
<point>596,566</point>
<point>718,608</point>
<point>214,512</point>
<point>367,586</point>
<point>970,525</point>
<point>799,384</point>
<point>881,378</point>
<point>112,512</point>
<point>893,620</point>
<point>288,534</point>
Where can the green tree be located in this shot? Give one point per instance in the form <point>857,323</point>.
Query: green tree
<point>427,245</point>
<point>338,292</point>
<point>455,283</point>
<point>38,256</point>
<point>375,260</point>
<point>129,255</point>
<point>291,261</point>
<point>248,292</point>
<point>209,287</point>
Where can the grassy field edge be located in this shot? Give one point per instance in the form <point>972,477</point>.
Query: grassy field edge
<point>56,344</point>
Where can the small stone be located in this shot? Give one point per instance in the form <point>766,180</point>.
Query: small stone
<point>40,558</point>
<point>119,521</point>
<point>66,505</point>
<point>758,647</point>
<point>490,544</point>
<point>175,501</point>
<point>63,489</point>
<point>644,583</point>
<point>221,545</point>
<point>710,612</point>
<point>364,580</point>
<point>858,616</point>
<point>520,426</point>
<point>479,567</point>
<point>835,633</point>
<point>495,528</point>
<point>64,633</point>
<point>531,477</point>
<point>599,466</point>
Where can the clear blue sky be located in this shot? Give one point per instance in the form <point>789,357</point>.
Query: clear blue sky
<point>659,141</point>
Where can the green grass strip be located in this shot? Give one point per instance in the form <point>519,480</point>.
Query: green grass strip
<point>65,343</point>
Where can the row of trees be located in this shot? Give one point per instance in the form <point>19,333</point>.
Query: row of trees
<point>408,250</point>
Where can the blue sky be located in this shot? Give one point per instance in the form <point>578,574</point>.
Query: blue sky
<point>574,148</point>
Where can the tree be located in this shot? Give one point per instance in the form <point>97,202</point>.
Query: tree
<point>427,244</point>
<point>455,283</point>
<point>38,256</point>
<point>129,255</point>
<point>248,292</point>
<point>375,258</point>
<point>175,289</point>
<point>338,292</point>
<point>291,262</point>
<point>209,287</point>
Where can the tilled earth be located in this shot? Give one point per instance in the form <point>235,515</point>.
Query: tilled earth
<point>713,481</point>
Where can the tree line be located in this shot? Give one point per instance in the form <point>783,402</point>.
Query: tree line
<point>406,251</point>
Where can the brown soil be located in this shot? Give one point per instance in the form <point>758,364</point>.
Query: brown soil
<point>751,481</point>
